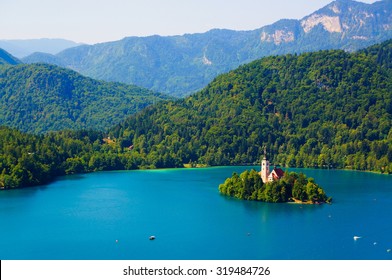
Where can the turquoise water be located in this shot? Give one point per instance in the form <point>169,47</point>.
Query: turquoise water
<point>111,215</point>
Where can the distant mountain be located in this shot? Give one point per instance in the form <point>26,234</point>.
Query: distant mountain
<point>22,48</point>
<point>180,65</point>
<point>39,98</point>
<point>43,57</point>
<point>6,58</point>
<point>323,109</point>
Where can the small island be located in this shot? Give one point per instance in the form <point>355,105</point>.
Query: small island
<point>275,186</point>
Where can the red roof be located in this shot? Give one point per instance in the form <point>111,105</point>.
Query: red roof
<point>277,173</point>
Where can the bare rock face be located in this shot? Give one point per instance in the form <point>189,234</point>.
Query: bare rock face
<point>352,20</point>
<point>278,37</point>
<point>331,24</point>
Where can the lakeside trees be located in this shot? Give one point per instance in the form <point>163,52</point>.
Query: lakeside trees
<point>27,160</point>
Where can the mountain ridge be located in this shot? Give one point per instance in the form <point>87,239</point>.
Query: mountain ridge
<point>7,58</point>
<point>22,48</point>
<point>182,64</point>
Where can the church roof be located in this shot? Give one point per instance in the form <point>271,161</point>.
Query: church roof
<point>279,172</point>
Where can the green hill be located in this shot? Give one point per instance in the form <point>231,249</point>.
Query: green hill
<point>39,98</point>
<point>322,109</point>
<point>6,58</point>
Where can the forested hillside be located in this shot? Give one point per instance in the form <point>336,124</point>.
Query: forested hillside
<point>328,109</point>
<point>323,109</point>
<point>28,160</point>
<point>39,98</point>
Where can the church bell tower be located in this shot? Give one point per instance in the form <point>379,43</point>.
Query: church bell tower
<point>265,167</point>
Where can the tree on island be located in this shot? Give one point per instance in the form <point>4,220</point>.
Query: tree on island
<point>292,187</point>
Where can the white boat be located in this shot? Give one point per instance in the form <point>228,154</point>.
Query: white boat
<point>356,237</point>
<point>152,237</point>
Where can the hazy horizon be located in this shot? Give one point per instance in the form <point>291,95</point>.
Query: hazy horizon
<point>96,21</point>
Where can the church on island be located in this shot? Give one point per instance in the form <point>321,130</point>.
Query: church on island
<point>265,173</point>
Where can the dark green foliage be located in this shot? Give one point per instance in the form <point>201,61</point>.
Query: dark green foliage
<point>292,187</point>
<point>181,65</point>
<point>27,160</point>
<point>247,186</point>
<point>38,98</point>
<point>304,189</point>
<point>328,109</point>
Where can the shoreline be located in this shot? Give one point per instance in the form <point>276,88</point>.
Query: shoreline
<point>197,166</point>
<point>297,201</point>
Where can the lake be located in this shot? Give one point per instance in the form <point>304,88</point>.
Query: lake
<point>111,215</point>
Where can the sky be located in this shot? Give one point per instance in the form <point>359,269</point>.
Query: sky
<point>94,21</point>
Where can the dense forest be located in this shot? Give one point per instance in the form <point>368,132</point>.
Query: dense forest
<point>38,98</point>
<point>292,187</point>
<point>328,109</point>
<point>28,160</point>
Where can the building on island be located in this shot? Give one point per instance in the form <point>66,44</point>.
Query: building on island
<point>275,174</point>
<point>264,168</point>
<point>265,173</point>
